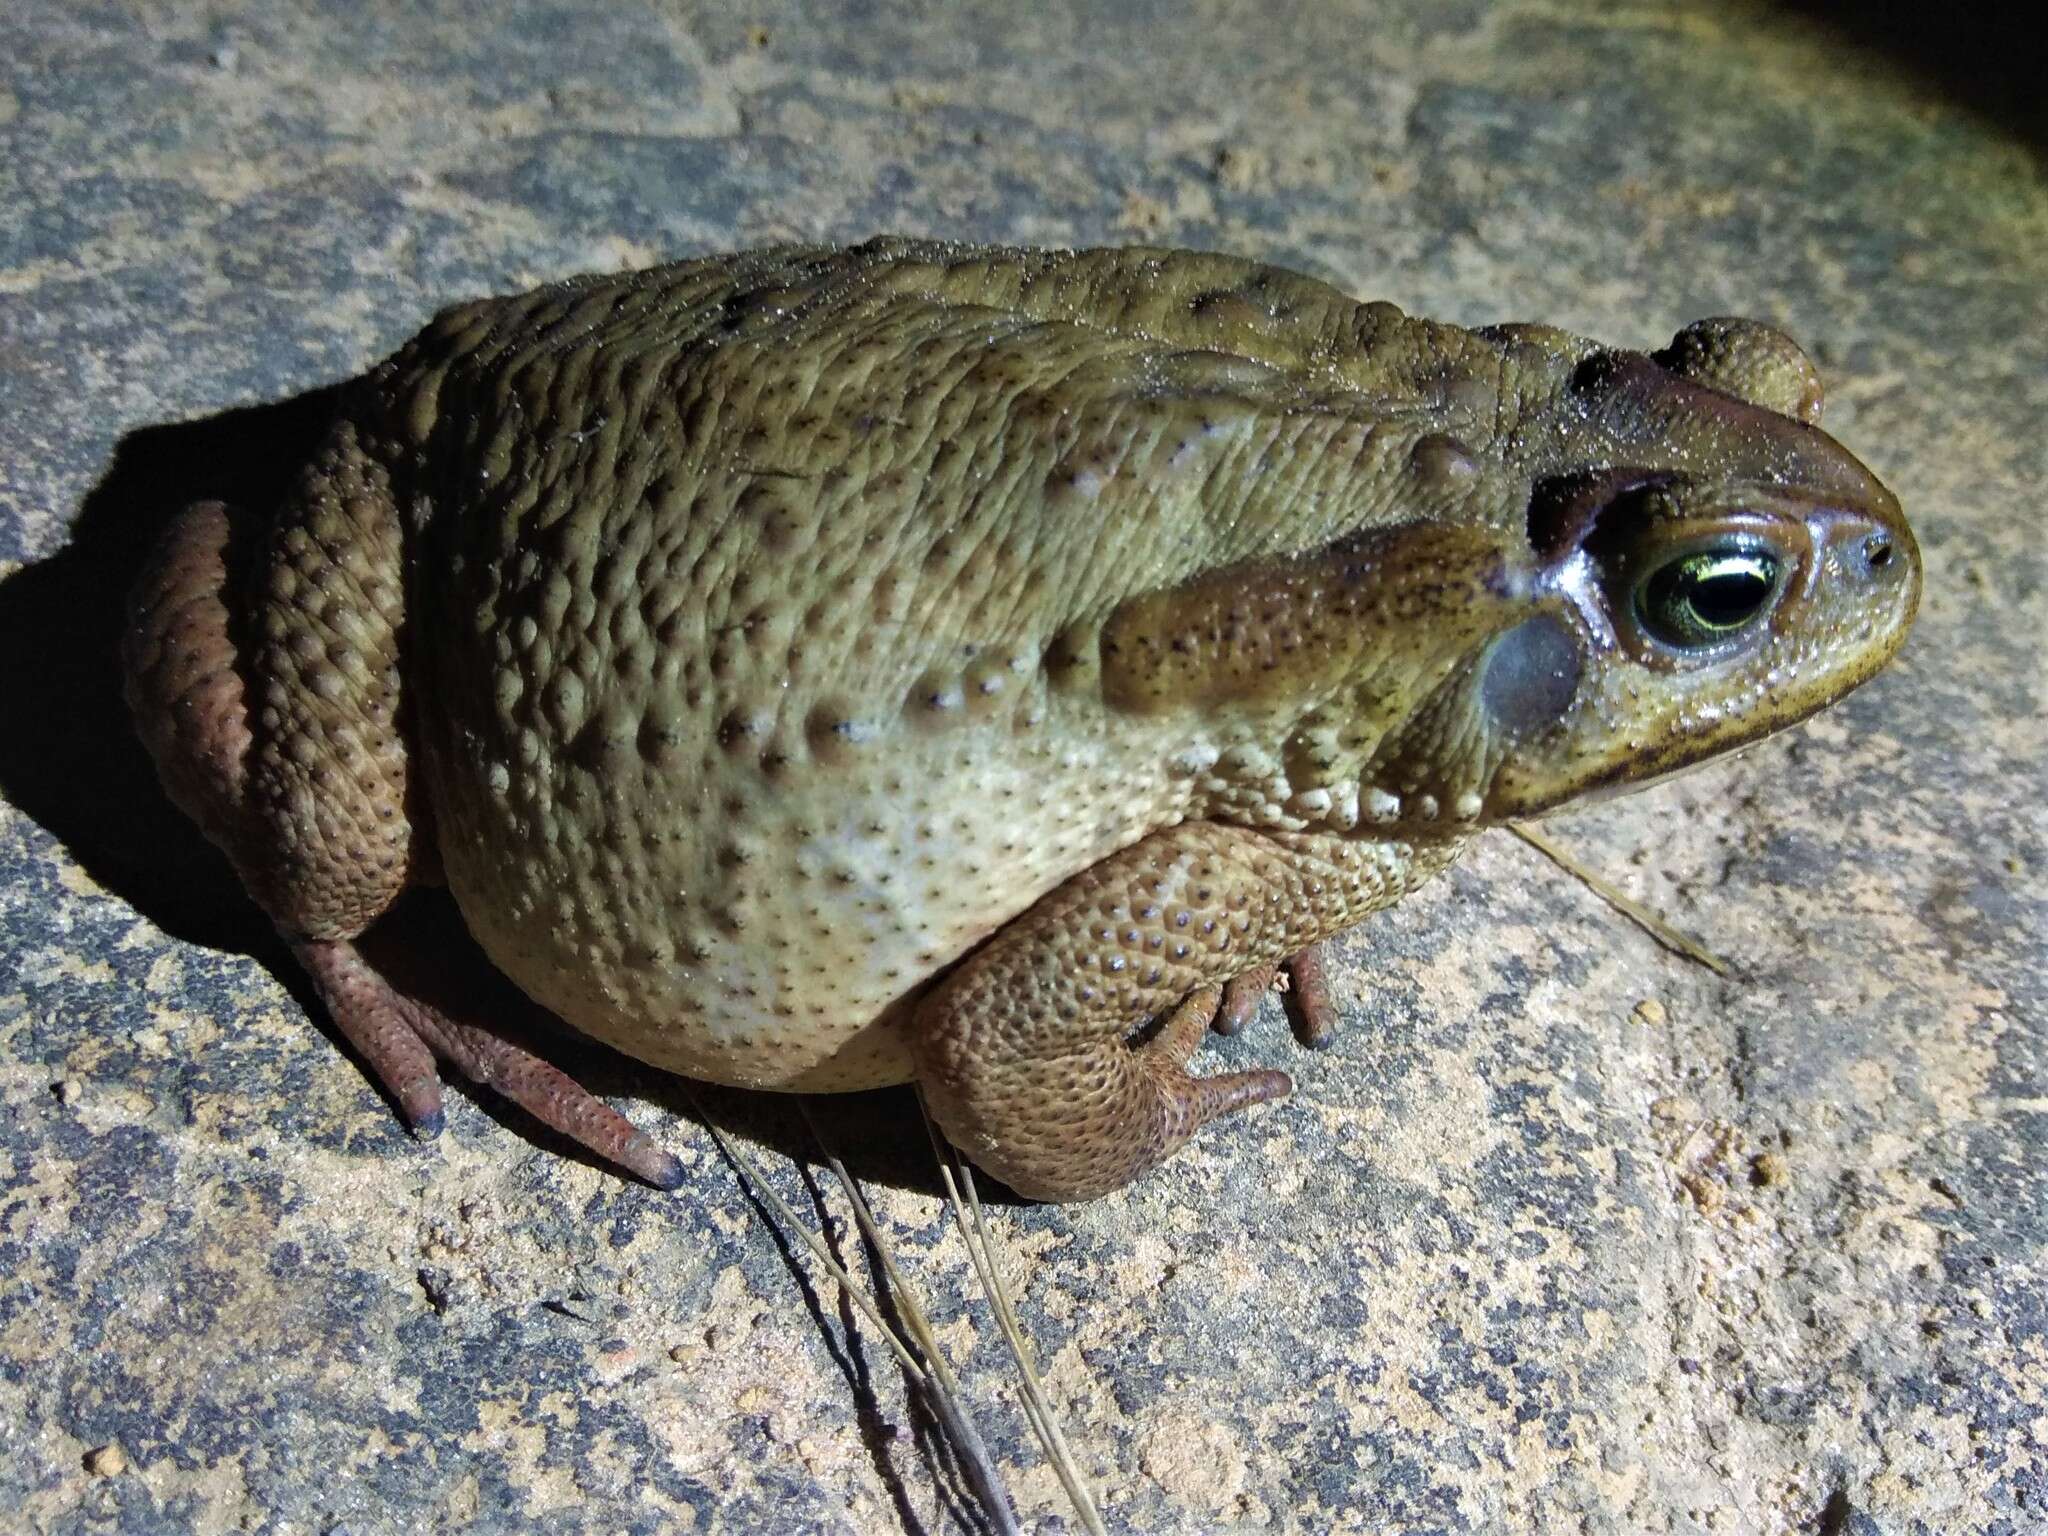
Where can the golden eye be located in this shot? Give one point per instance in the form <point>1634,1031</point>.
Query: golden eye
<point>1703,598</point>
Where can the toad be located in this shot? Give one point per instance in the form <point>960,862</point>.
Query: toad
<point>821,668</point>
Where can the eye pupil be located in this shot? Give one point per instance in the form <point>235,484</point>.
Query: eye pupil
<point>1725,594</point>
<point>1704,597</point>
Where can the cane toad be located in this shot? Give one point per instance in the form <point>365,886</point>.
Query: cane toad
<point>818,668</point>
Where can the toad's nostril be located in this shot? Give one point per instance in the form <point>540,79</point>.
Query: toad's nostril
<point>1877,551</point>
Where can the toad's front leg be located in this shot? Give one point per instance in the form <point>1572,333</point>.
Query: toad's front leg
<point>1055,1055</point>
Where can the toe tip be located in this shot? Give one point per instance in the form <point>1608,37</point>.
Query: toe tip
<point>657,1167</point>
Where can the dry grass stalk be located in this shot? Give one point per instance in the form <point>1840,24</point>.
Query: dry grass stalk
<point>941,1389</point>
<point>1658,929</point>
<point>979,1236</point>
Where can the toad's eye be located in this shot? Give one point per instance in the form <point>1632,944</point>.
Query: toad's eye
<point>1703,598</point>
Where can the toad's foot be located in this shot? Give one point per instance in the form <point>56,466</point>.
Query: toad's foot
<point>1186,1102</point>
<point>1034,1053</point>
<point>401,1038</point>
<point>1306,999</point>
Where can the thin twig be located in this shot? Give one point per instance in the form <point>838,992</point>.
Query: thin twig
<point>1034,1408</point>
<point>1658,929</point>
<point>820,1252</point>
<point>943,1389</point>
<point>1034,1387</point>
<point>1037,1407</point>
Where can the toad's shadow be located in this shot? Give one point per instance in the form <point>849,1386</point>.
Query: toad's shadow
<point>70,760</point>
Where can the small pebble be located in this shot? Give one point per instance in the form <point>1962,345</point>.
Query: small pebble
<point>1674,1107</point>
<point>1769,1170</point>
<point>107,1461</point>
<point>1651,1012</point>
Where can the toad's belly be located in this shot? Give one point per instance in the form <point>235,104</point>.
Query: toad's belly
<point>753,934</point>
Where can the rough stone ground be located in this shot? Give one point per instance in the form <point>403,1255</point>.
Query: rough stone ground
<point>1564,1235</point>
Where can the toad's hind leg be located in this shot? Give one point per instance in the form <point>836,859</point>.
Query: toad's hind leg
<point>1032,1052</point>
<point>401,1036</point>
<point>262,664</point>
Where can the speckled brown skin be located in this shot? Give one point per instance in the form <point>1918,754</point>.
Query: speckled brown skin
<point>815,668</point>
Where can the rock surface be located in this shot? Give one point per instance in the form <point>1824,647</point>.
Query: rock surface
<point>1563,1234</point>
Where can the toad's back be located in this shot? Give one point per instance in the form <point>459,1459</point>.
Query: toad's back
<point>755,604</point>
